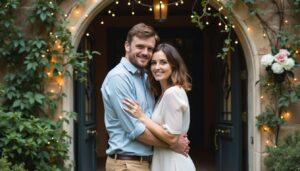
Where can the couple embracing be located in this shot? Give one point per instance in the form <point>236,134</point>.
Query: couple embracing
<point>147,112</point>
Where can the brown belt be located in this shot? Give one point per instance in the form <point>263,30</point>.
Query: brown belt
<point>129,157</point>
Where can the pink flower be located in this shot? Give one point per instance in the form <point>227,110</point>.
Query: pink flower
<point>282,55</point>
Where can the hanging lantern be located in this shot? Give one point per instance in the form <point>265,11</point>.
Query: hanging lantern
<point>160,9</point>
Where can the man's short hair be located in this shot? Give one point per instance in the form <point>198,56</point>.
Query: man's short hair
<point>141,30</point>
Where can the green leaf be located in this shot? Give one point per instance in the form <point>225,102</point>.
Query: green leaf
<point>39,98</point>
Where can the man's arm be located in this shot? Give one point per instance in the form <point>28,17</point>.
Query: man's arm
<point>181,147</point>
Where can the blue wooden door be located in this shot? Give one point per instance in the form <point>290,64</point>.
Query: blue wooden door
<point>231,106</point>
<point>86,120</point>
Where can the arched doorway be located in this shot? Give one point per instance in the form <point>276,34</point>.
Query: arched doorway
<point>172,23</point>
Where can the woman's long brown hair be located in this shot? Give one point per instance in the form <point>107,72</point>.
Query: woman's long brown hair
<point>179,74</point>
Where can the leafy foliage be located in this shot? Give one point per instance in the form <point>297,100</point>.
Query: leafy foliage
<point>39,143</point>
<point>7,166</point>
<point>37,52</point>
<point>269,118</point>
<point>285,156</point>
<point>198,20</point>
<point>34,60</point>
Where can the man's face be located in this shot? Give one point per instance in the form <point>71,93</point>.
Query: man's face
<point>139,51</point>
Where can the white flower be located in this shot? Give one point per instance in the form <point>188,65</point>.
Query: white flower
<point>277,68</point>
<point>288,64</point>
<point>267,60</point>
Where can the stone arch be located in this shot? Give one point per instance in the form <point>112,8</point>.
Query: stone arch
<point>252,41</point>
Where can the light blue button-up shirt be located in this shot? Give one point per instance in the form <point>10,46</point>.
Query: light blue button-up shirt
<point>123,81</point>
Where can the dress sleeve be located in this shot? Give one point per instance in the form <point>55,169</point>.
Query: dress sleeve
<point>173,110</point>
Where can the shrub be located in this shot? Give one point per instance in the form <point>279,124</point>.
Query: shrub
<point>286,156</point>
<point>7,166</point>
<point>39,143</point>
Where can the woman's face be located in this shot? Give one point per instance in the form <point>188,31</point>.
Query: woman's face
<point>160,67</point>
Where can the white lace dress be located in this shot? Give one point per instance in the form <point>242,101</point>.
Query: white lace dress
<point>173,112</point>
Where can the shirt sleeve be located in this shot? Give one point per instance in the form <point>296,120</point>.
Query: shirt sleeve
<point>173,111</point>
<point>118,88</point>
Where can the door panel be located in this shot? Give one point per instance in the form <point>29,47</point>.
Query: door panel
<point>86,119</point>
<point>228,133</point>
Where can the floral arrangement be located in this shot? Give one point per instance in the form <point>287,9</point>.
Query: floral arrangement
<point>279,63</point>
<point>281,87</point>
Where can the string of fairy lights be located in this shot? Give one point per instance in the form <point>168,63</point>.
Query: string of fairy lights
<point>79,11</point>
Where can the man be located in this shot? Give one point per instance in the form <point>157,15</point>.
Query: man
<point>130,142</point>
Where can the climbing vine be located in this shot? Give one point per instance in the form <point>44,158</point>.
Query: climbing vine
<point>37,54</point>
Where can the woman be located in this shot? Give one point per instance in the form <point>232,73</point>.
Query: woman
<point>171,116</point>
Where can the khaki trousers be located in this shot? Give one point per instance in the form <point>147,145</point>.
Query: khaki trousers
<point>126,165</point>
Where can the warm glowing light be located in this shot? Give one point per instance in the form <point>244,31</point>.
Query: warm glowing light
<point>295,79</point>
<point>52,91</point>
<point>102,22</point>
<point>60,117</point>
<point>86,15</point>
<point>72,28</point>
<point>236,42</point>
<point>117,2</point>
<point>43,56</point>
<point>268,142</point>
<point>265,128</point>
<point>286,116</point>
<point>109,11</point>
<point>264,35</point>
<point>220,24</point>
<point>60,81</point>
<point>87,34</point>
<point>297,51</point>
<point>77,11</point>
<point>286,21</point>
<point>233,26</point>
<point>208,8</point>
<point>207,23</point>
<point>150,9</point>
<point>248,28</point>
<point>262,97</point>
<point>160,9</point>
<point>132,13</point>
<point>221,8</point>
<point>129,3</point>
<point>113,14</point>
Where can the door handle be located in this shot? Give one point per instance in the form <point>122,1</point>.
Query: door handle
<point>91,132</point>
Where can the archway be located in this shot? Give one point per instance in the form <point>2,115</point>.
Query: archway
<point>252,43</point>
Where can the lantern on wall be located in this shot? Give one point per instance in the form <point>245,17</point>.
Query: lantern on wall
<point>160,9</point>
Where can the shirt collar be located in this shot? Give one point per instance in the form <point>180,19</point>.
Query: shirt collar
<point>130,67</point>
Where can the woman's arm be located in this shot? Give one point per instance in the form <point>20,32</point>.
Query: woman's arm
<point>160,132</point>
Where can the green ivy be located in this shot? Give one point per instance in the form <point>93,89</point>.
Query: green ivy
<point>269,118</point>
<point>36,48</point>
